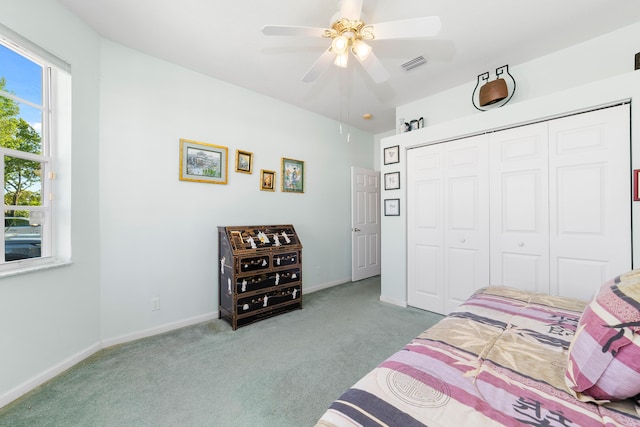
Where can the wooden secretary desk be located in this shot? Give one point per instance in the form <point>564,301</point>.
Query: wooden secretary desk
<point>260,272</point>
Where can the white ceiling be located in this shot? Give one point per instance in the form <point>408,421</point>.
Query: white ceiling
<point>223,39</point>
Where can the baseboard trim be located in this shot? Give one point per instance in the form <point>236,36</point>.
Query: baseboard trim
<point>167,327</point>
<point>393,301</point>
<point>45,376</point>
<point>321,286</point>
<point>54,371</point>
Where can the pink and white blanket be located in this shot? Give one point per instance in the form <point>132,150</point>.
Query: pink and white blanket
<point>499,360</point>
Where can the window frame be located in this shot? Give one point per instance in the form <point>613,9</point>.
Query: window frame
<point>55,245</point>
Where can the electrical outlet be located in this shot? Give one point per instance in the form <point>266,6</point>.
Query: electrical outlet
<point>155,304</point>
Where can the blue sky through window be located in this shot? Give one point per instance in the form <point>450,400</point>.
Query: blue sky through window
<point>24,79</point>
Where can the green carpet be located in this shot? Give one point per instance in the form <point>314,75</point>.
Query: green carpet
<point>284,371</point>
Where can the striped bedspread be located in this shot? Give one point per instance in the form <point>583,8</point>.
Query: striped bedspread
<point>499,360</point>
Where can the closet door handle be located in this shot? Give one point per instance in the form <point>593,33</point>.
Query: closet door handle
<point>521,244</point>
<point>463,240</point>
<point>356,229</point>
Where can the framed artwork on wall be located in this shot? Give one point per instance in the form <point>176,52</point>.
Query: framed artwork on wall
<point>392,181</point>
<point>391,207</point>
<point>202,162</point>
<point>267,180</point>
<point>244,161</point>
<point>292,175</point>
<point>392,155</point>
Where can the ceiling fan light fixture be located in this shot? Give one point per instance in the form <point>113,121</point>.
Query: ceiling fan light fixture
<point>361,49</point>
<point>340,44</point>
<point>342,60</point>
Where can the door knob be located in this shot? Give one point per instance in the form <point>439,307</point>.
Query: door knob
<point>521,244</point>
<point>356,229</point>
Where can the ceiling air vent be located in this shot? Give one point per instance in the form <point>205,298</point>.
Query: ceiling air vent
<point>413,63</point>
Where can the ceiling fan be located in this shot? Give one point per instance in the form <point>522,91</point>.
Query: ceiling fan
<point>348,33</point>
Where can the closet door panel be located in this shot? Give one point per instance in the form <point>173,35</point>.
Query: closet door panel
<point>590,200</point>
<point>466,228</point>
<point>523,269</point>
<point>425,225</point>
<point>447,222</point>
<point>519,208</point>
<point>463,265</point>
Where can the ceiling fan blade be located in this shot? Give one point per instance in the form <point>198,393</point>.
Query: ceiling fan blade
<point>320,66</point>
<point>427,26</point>
<point>350,9</point>
<point>289,30</point>
<point>374,67</point>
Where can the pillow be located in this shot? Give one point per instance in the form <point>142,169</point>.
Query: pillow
<point>604,356</point>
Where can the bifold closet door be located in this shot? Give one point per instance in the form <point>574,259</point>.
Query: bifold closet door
<point>520,208</point>
<point>448,223</point>
<point>590,200</point>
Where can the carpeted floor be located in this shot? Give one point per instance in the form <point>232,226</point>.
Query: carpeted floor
<point>284,371</point>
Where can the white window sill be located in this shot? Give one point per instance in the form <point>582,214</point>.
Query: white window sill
<point>28,266</point>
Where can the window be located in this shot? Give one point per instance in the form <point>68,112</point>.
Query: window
<point>26,163</point>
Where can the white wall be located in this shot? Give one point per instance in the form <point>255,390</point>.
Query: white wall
<point>138,231</point>
<point>593,73</point>
<point>158,234</point>
<point>50,319</point>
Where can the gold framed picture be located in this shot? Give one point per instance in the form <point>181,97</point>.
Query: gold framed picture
<point>267,180</point>
<point>244,161</point>
<point>201,162</point>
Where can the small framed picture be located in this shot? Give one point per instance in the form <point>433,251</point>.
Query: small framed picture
<point>292,175</point>
<point>392,181</point>
<point>391,207</point>
<point>392,155</point>
<point>202,162</point>
<point>267,180</point>
<point>244,161</point>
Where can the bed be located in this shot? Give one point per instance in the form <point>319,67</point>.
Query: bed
<point>507,357</point>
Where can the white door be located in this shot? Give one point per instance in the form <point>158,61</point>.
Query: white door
<point>520,208</point>
<point>425,227</point>
<point>365,223</point>
<point>448,223</point>
<point>466,219</point>
<point>590,200</point>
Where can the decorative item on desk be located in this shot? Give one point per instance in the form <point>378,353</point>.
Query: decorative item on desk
<point>263,238</point>
<point>495,93</point>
